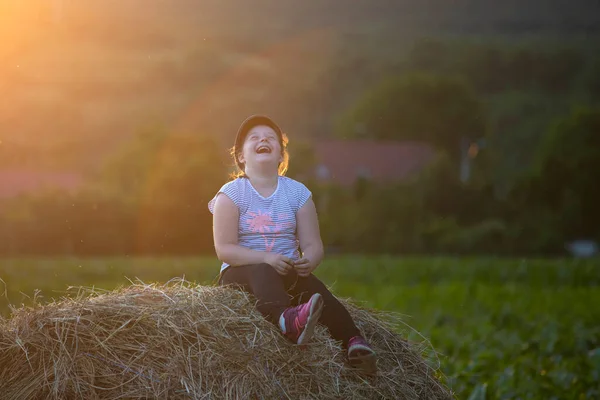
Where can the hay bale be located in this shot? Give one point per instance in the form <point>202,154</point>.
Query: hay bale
<point>180,341</point>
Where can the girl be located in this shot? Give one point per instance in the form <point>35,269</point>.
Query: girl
<point>266,233</point>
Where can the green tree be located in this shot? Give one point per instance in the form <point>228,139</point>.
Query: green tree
<point>565,183</point>
<point>302,159</point>
<point>592,81</point>
<point>167,179</point>
<point>439,110</point>
<point>518,122</point>
<point>126,169</point>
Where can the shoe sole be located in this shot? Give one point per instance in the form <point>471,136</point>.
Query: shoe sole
<point>316,308</point>
<point>366,363</point>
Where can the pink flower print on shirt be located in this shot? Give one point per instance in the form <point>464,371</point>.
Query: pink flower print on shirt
<point>263,223</point>
<point>259,222</point>
<point>269,245</point>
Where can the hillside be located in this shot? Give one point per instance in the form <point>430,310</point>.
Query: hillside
<point>80,77</point>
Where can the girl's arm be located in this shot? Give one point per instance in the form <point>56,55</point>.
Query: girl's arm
<point>309,237</point>
<point>225,234</point>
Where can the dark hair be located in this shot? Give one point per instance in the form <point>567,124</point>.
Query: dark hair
<point>243,130</point>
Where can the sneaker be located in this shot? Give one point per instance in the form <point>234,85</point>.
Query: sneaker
<point>300,321</point>
<point>361,355</point>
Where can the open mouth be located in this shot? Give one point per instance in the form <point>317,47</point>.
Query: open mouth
<point>263,150</point>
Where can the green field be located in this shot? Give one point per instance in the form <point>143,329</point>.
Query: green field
<point>505,329</point>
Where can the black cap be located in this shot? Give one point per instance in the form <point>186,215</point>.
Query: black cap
<point>247,125</point>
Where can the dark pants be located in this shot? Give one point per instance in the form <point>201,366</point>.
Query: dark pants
<point>274,293</point>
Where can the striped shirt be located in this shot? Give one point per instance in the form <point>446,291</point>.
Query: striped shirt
<point>267,223</point>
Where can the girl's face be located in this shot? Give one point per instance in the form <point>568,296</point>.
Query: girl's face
<point>261,147</point>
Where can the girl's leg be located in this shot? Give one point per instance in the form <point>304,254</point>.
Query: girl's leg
<point>273,300</point>
<point>262,281</point>
<point>335,316</point>
<point>339,322</point>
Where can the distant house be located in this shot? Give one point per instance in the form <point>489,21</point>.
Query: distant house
<point>17,182</point>
<point>343,162</point>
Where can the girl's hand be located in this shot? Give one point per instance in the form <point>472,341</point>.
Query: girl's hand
<point>304,267</point>
<point>280,263</point>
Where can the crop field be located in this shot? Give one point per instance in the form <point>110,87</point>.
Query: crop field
<point>502,328</point>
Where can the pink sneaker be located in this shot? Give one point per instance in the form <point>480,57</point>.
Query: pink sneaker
<point>361,355</point>
<point>300,321</point>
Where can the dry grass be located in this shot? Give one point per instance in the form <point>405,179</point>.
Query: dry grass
<point>181,341</point>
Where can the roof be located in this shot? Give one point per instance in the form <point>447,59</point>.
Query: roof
<point>344,161</point>
<point>16,182</point>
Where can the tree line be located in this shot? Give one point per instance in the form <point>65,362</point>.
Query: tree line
<point>533,186</point>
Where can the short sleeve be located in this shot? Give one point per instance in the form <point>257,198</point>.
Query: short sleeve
<point>230,189</point>
<point>302,194</point>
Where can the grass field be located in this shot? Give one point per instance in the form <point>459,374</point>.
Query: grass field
<point>505,329</point>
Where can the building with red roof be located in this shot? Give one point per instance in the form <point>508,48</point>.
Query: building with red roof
<point>17,182</point>
<point>343,162</point>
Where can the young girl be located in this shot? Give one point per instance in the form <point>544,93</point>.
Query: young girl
<point>266,233</point>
